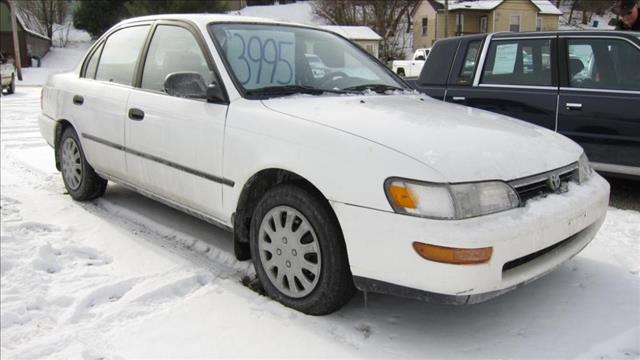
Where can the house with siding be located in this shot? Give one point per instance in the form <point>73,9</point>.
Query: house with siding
<point>32,37</point>
<point>480,16</point>
<point>364,36</point>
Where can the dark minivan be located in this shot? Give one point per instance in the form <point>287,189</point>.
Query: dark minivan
<point>585,85</point>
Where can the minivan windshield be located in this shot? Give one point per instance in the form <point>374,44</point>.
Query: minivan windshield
<point>281,60</point>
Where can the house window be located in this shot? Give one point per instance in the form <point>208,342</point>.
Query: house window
<point>483,24</point>
<point>459,24</point>
<point>425,21</point>
<point>514,23</point>
<point>370,49</point>
<point>539,24</point>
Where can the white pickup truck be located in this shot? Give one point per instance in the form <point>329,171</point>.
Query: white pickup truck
<point>413,67</point>
<point>7,75</point>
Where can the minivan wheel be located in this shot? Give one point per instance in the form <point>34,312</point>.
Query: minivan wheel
<point>12,87</point>
<point>79,178</point>
<point>298,251</point>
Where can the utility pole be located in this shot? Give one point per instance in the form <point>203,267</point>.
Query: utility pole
<point>446,18</point>
<point>16,43</point>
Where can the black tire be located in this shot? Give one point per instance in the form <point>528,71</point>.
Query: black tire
<point>334,286</point>
<point>90,185</point>
<point>12,87</point>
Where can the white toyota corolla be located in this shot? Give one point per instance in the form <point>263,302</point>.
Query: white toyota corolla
<point>332,175</point>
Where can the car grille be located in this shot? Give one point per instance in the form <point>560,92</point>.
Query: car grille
<point>552,182</point>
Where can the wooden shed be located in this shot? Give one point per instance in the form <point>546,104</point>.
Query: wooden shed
<point>31,34</point>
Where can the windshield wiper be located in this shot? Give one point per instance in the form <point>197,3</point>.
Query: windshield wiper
<point>373,87</point>
<point>289,90</point>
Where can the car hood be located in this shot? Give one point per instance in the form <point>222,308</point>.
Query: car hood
<point>461,143</point>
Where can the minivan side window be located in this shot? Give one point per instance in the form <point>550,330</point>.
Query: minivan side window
<point>518,62</point>
<point>92,63</point>
<point>120,54</point>
<point>607,64</point>
<point>173,49</point>
<point>470,59</point>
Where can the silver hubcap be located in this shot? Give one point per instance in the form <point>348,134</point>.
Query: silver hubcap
<point>71,164</point>
<point>289,251</point>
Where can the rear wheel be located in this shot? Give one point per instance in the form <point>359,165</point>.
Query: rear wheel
<point>12,87</point>
<point>79,178</point>
<point>298,251</point>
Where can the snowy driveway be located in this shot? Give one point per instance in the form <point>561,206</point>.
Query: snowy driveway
<point>125,276</point>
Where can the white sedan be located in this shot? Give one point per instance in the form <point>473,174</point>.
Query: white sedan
<point>328,183</point>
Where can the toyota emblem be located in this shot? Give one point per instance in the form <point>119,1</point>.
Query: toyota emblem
<point>554,182</point>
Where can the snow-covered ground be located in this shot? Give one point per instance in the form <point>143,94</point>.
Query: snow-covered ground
<point>57,60</point>
<point>598,22</point>
<point>125,276</point>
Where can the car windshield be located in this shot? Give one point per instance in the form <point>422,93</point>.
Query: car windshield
<point>282,60</point>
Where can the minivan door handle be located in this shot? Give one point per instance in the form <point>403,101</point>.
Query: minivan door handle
<point>78,100</point>
<point>136,114</point>
<point>573,106</point>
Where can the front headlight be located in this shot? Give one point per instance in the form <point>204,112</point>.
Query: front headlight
<point>584,168</point>
<point>449,201</point>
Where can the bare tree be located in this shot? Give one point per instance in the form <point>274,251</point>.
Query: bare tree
<point>391,19</point>
<point>573,8</point>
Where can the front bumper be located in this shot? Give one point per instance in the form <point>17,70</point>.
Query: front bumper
<point>382,258</point>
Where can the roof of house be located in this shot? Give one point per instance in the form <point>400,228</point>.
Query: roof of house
<point>30,23</point>
<point>354,32</point>
<point>545,7</point>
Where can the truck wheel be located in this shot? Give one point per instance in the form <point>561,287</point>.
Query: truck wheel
<point>12,87</point>
<point>79,178</point>
<point>298,251</point>
<point>401,72</point>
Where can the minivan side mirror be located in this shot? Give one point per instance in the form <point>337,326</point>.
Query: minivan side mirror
<point>192,85</point>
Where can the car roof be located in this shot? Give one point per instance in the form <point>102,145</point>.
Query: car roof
<point>205,19</point>
<point>627,34</point>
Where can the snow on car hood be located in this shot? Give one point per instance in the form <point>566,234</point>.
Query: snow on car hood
<point>461,143</point>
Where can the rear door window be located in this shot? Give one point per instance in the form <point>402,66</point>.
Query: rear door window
<point>518,62</point>
<point>607,64</point>
<point>120,55</point>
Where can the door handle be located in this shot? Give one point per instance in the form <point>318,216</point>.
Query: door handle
<point>136,114</point>
<point>458,98</point>
<point>573,106</point>
<point>78,100</point>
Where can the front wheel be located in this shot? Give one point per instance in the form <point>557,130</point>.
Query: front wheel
<point>79,178</point>
<point>298,251</point>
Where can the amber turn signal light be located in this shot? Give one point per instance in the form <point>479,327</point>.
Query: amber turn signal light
<point>450,255</point>
<point>402,197</point>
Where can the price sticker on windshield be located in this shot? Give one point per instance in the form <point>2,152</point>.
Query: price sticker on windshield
<point>261,59</point>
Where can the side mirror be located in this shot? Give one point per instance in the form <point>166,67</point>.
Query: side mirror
<point>185,84</point>
<point>215,93</point>
<point>192,85</point>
